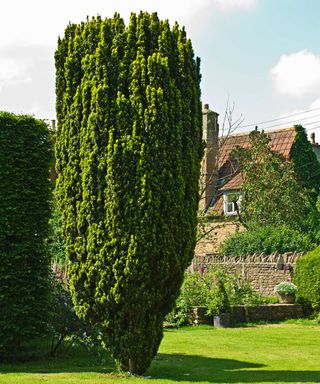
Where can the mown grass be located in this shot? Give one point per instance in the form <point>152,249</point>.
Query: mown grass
<point>276,353</point>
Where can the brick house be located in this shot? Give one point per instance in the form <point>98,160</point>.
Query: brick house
<point>221,177</point>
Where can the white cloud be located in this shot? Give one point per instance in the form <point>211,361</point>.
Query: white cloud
<point>40,22</point>
<point>230,5</point>
<point>14,72</point>
<point>27,45</point>
<point>297,74</point>
<point>27,79</point>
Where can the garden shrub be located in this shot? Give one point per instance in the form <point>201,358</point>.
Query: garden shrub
<point>195,291</point>
<point>307,279</point>
<point>25,156</point>
<point>240,291</point>
<point>266,239</point>
<point>219,301</point>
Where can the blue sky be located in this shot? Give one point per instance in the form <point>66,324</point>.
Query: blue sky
<point>247,44</point>
<point>262,54</point>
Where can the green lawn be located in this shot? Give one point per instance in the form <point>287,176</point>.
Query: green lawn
<point>285,353</point>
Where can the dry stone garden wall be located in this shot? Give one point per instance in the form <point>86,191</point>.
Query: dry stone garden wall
<point>262,271</point>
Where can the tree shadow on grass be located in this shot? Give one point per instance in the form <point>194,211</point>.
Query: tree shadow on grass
<point>62,364</point>
<point>176,367</point>
<point>190,368</point>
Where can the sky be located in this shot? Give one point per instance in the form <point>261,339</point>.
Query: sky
<point>259,57</point>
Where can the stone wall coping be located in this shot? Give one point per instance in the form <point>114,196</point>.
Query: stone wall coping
<point>275,258</point>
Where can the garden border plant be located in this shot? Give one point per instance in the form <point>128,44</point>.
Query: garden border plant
<point>213,289</point>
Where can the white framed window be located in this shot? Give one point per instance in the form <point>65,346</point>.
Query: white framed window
<point>229,199</point>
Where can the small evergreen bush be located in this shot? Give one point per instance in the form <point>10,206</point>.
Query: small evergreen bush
<point>307,279</point>
<point>266,239</point>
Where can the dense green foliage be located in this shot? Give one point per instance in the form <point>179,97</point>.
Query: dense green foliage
<point>25,156</point>
<point>272,193</point>
<point>129,145</point>
<point>307,279</point>
<point>267,239</point>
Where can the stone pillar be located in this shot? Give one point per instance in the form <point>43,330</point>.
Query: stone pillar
<point>209,166</point>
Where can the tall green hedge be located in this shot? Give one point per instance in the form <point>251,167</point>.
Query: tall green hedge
<point>129,145</point>
<point>25,155</point>
<point>307,279</point>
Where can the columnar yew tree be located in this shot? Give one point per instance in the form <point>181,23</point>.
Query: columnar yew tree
<point>25,155</point>
<point>128,155</point>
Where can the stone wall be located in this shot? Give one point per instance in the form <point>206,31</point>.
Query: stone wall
<point>270,312</point>
<point>262,271</point>
<point>245,314</point>
<point>215,233</point>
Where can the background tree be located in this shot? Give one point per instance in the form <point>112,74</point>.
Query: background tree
<point>272,193</point>
<point>129,144</point>
<point>25,155</point>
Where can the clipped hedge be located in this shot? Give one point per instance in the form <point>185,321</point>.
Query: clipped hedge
<point>266,239</point>
<point>25,156</point>
<point>307,279</point>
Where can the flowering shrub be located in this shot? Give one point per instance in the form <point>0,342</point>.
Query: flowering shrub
<point>285,288</point>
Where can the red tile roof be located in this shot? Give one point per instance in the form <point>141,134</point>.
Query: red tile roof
<point>281,141</point>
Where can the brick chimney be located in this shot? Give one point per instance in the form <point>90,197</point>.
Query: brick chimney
<point>209,166</point>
